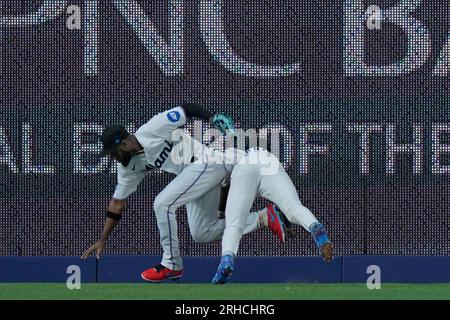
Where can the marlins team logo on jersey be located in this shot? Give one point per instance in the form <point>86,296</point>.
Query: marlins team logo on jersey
<point>173,116</point>
<point>161,158</point>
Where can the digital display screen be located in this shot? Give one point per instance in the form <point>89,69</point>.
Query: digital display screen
<point>355,92</point>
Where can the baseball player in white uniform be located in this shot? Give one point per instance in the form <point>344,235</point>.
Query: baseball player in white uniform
<point>259,173</point>
<point>160,145</point>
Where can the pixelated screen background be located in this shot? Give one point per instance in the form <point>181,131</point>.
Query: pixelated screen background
<point>362,110</point>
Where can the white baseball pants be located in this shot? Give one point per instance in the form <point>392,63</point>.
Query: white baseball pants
<point>197,187</point>
<point>260,173</point>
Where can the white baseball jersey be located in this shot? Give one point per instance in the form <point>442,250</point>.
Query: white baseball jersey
<point>166,148</point>
<point>200,171</point>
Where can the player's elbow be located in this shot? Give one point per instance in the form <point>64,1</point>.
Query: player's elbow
<point>116,205</point>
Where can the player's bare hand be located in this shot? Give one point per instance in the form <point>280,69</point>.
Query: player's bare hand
<point>97,247</point>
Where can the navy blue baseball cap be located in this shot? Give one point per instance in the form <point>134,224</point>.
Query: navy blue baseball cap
<point>111,138</point>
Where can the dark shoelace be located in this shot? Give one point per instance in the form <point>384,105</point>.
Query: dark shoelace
<point>159,267</point>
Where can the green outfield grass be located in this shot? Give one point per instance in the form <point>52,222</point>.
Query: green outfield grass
<point>179,291</point>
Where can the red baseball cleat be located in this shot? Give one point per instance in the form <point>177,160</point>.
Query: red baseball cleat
<point>276,222</point>
<point>160,273</point>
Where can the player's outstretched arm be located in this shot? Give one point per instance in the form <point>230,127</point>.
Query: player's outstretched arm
<point>193,110</point>
<point>113,215</point>
<point>220,121</point>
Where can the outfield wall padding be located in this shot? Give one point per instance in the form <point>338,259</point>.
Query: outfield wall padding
<point>127,269</point>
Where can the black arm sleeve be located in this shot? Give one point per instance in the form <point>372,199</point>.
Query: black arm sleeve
<point>223,200</point>
<point>193,110</point>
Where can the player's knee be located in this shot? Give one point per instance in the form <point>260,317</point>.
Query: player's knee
<point>245,171</point>
<point>199,237</point>
<point>200,233</point>
<point>160,205</point>
<point>206,233</point>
